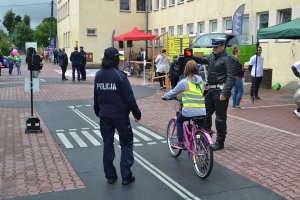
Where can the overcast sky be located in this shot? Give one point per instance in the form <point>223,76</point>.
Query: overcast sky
<point>36,9</point>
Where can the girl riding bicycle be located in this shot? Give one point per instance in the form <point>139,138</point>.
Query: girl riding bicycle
<point>192,88</point>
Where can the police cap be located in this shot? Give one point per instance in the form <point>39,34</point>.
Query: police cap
<point>215,42</point>
<point>111,52</point>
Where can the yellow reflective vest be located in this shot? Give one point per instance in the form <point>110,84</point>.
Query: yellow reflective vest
<point>193,97</point>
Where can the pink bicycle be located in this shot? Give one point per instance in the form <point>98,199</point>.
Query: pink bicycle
<point>196,141</point>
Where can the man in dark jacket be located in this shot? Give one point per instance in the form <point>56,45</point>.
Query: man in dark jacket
<point>75,58</point>
<point>113,102</point>
<point>63,63</point>
<point>83,63</point>
<point>221,78</point>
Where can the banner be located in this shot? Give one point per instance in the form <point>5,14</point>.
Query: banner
<point>237,20</point>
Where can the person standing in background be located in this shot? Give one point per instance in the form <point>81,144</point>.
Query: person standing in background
<point>239,86</point>
<point>75,58</point>
<point>18,63</point>
<point>63,63</point>
<point>83,63</point>
<point>1,60</point>
<point>11,63</point>
<point>295,67</point>
<point>257,73</point>
<point>161,67</point>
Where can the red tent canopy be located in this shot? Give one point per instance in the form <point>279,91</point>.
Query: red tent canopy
<point>135,34</point>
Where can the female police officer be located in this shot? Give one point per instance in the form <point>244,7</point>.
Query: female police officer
<point>113,101</point>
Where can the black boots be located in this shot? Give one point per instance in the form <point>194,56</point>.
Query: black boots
<point>217,146</point>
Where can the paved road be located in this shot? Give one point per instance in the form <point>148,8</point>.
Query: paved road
<point>158,175</point>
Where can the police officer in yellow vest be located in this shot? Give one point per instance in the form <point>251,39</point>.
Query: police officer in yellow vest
<point>192,98</point>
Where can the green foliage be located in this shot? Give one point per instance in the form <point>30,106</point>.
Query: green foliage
<point>26,20</point>
<point>9,21</point>
<point>42,32</point>
<point>4,42</point>
<point>22,33</point>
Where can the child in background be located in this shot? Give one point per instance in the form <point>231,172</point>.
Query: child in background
<point>18,64</point>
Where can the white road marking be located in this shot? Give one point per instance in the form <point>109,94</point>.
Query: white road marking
<point>265,126</point>
<point>91,138</point>
<point>150,143</point>
<point>97,132</point>
<point>80,142</point>
<point>85,128</point>
<point>144,137</point>
<point>150,133</point>
<point>61,130</point>
<point>87,119</point>
<point>65,140</point>
<point>184,193</point>
<point>73,129</point>
<point>270,106</point>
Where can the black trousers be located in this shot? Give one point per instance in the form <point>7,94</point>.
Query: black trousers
<point>255,86</point>
<point>63,72</point>
<point>161,80</point>
<point>77,68</point>
<point>83,71</point>
<point>213,104</point>
<point>107,127</point>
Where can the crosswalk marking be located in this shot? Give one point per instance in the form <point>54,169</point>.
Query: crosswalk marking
<point>150,133</point>
<point>78,139</point>
<point>91,138</point>
<point>64,140</point>
<point>144,137</point>
<point>97,132</point>
<point>94,137</point>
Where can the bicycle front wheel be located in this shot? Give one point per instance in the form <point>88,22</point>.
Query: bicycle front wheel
<point>172,138</point>
<point>203,155</point>
<point>127,70</point>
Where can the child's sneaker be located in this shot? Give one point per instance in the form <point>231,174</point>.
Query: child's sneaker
<point>178,145</point>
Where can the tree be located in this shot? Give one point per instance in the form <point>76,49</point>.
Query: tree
<point>42,32</point>
<point>9,21</point>
<point>4,43</point>
<point>26,20</point>
<point>22,33</point>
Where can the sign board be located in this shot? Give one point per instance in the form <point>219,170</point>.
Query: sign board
<point>36,84</point>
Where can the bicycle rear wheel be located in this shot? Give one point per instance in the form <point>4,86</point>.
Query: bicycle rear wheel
<point>172,138</point>
<point>127,70</point>
<point>203,160</point>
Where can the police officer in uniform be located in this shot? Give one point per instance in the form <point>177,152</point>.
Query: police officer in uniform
<point>113,102</point>
<point>75,58</point>
<point>222,70</point>
<point>83,63</point>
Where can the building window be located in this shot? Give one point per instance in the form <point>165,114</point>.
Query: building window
<point>150,6</point>
<point>190,28</point>
<point>213,26</point>
<point>140,5</point>
<point>91,32</point>
<point>200,27</point>
<point>245,28</point>
<point>162,39</point>
<point>179,30</point>
<point>156,4</point>
<point>171,30</point>
<point>227,25</point>
<point>164,3</point>
<point>263,20</point>
<point>156,33</point>
<point>125,5</point>
<point>171,2</point>
<point>285,16</point>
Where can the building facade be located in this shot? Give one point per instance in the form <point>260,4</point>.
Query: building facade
<point>90,23</point>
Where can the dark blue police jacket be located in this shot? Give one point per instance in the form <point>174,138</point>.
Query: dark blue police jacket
<point>75,58</point>
<point>113,95</point>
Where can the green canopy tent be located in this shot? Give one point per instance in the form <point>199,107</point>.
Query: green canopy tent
<point>288,30</point>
